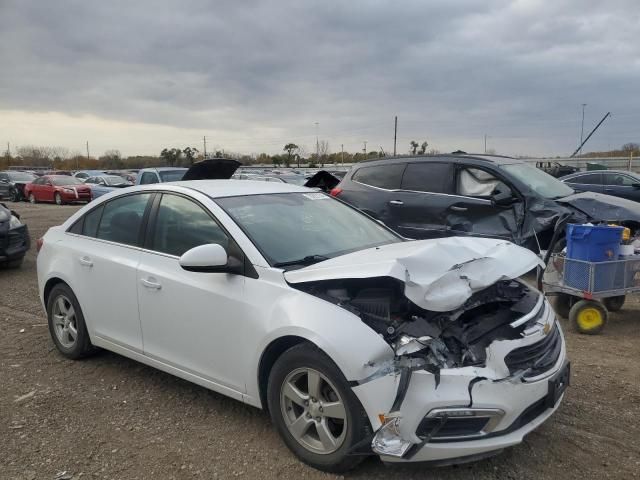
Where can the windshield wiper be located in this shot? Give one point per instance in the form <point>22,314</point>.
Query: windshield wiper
<point>308,260</point>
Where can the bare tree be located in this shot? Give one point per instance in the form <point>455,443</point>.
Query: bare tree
<point>413,147</point>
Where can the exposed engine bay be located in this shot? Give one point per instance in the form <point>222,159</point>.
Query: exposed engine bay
<point>438,339</point>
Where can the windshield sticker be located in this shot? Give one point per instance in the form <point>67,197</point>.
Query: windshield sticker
<point>315,196</point>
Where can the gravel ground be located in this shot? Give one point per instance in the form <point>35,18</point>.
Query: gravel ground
<point>110,417</point>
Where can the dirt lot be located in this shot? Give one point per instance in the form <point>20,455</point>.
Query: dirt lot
<point>109,417</point>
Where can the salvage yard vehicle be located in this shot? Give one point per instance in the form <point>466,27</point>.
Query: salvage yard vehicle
<point>356,340</point>
<point>14,238</point>
<point>60,189</point>
<point>12,184</point>
<point>105,184</point>
<point>618,183</point>
<point>476,195</point>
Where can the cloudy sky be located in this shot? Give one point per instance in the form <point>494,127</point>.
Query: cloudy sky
<point>142,75</point>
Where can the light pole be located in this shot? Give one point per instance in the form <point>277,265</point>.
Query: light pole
<point>581,130</point>
<point>317,145</point>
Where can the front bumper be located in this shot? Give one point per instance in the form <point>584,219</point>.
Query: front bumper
<point>73,197</point>
<point>517,403</point>
<point>14,243</point>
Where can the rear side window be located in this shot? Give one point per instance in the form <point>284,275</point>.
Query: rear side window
<point>588,179</point>
<point>429,177</point>
<point>182,225</point>
<point>388,177</point>
<point>148,177</point>
<point>122,218</point>
<point>618,179</point>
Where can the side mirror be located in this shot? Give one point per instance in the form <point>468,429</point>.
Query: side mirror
<point>210,258</point>
<point>502,195</point>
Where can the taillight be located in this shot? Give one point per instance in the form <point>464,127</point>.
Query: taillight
<point>39,244</point>
<point>335,192</point>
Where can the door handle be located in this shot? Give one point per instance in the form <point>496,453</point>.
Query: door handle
<point>149,283</point>
<point>455,208</point>
<point>396,202</point>
<point>85,262</point>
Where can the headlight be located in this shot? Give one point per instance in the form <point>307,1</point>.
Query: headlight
<point>14,222</point>
<point>68,190</point>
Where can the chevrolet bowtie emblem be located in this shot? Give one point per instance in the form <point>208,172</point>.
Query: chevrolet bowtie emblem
<point>546,329</point>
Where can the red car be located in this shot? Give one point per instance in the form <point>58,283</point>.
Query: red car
<point>60,189</point>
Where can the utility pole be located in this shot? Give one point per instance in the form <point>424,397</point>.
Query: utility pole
<point>365,149</point>
<point>581,130</point>
<point>342,151</point>
<point>317,145</point>
<point>8,155</point>
<point>485,143</point>
<point>204,139</point>
<point>78,160</point>
<point>395,136</point>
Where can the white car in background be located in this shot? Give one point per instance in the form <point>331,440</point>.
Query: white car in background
<point>356,340</point>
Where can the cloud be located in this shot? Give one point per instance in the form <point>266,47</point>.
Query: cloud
<point>254,75</point>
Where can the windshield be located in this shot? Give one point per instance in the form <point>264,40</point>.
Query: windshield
<point>115,180</point>
<point>540,182</point>
<point>21,177</point>
<point>63,180</point>
<point>309,227</point>
<point>172,175</point>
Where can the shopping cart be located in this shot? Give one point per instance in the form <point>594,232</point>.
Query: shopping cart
<point>587,291</point>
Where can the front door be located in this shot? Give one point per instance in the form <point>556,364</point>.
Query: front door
<point>191,321</point>
<point>621,185</point>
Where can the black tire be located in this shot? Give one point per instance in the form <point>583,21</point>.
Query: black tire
<point>614,304</point>
<point>82,346</point>
<point>563,303</point>
<point>58,199</point>
<point>308,356</point>
<point>32,199</point>
<point>14,195</point>
<point>17,263</point>
<point>580,314</point>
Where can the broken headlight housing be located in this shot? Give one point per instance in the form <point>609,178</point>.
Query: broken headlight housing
<point>388,441</point>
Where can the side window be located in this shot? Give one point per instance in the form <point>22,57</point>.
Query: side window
<point>38,181</point>
<point>619,179</point>
<point>430,177</point>
<point>382,176</point>
<point>587,179</point>
<point>148,177</point>
<point>90,180</point>
<point>474,182</point>
<point>182,225</point>
<point>122,218</point>
<point>4,177</point>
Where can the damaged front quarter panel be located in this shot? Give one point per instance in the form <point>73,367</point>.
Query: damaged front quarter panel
<point>442,306</point>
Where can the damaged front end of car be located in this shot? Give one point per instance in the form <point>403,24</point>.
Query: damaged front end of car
<point>474,348</point>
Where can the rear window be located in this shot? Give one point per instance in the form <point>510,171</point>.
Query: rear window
<point>429,177</point>
<point>122,219</point>
<point>172,175</point>
<point>388,177</point>
<point>62,181</point>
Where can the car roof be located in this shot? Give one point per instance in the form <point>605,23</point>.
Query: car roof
<point>481,158</point>
<point>234,188</point>
<point>160,169</point>
<point>588,172</point>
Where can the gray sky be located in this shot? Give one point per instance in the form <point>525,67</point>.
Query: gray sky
<point>251,76</point>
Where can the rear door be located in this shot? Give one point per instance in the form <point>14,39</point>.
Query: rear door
<point>587,182</point>
<point>621,185</point>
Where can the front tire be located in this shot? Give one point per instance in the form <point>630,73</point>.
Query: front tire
<point>588,317</point>
<point>58,199</point>
<point>66,323</point>
<point>14,196</point>
<point>314,410</point>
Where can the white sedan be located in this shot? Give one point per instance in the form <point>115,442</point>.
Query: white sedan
<point>356,340</point>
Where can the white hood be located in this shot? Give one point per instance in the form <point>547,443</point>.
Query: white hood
<point>439,275</point>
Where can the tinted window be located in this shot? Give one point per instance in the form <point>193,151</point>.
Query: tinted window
<point>588,179</point>
<point>172,175</point>
<point>381,176</point>
<point>429,177</point>
<point>82,175</point>
<point>91,220</point>
<point>182,225</point>
<point>148,177</point>
<point>122,218</point>
<point>38,181</point>
<point>64,180</point>
<point>21,176</point>
<point>619,179</point>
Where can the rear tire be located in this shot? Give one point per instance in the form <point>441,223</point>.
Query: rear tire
<point>14,196</point>
<point>562,304</point>
<point>614,304</point>
<point>66,323</point>
<point>32,199</point>
<point>588,317</point>
<point>305,374</point>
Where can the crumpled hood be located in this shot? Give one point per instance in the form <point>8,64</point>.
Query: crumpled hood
<point>601,207</point>
<point>439,275</point>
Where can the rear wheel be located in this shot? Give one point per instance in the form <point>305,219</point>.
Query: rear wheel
<point>32,198</point>
<point>315,411</point>
<point>588,317</point>
<point>14,195</point>
<point>614,304</point>
<point>66,323</point>
<point>562,304</point>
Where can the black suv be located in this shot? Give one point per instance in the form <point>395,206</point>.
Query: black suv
<point>14,238</point>
<point>479,195</point>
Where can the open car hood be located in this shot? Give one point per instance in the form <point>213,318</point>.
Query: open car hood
<point>439,275</point>
<point>601,207</point>
<point>212,169</point>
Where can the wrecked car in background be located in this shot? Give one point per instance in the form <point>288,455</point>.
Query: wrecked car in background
<point>477,195</point>
<point>356,340</point>
<point>14,238</point>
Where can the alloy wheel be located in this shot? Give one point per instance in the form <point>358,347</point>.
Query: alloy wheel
<point>64,322</point>
<point>313,411</point>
